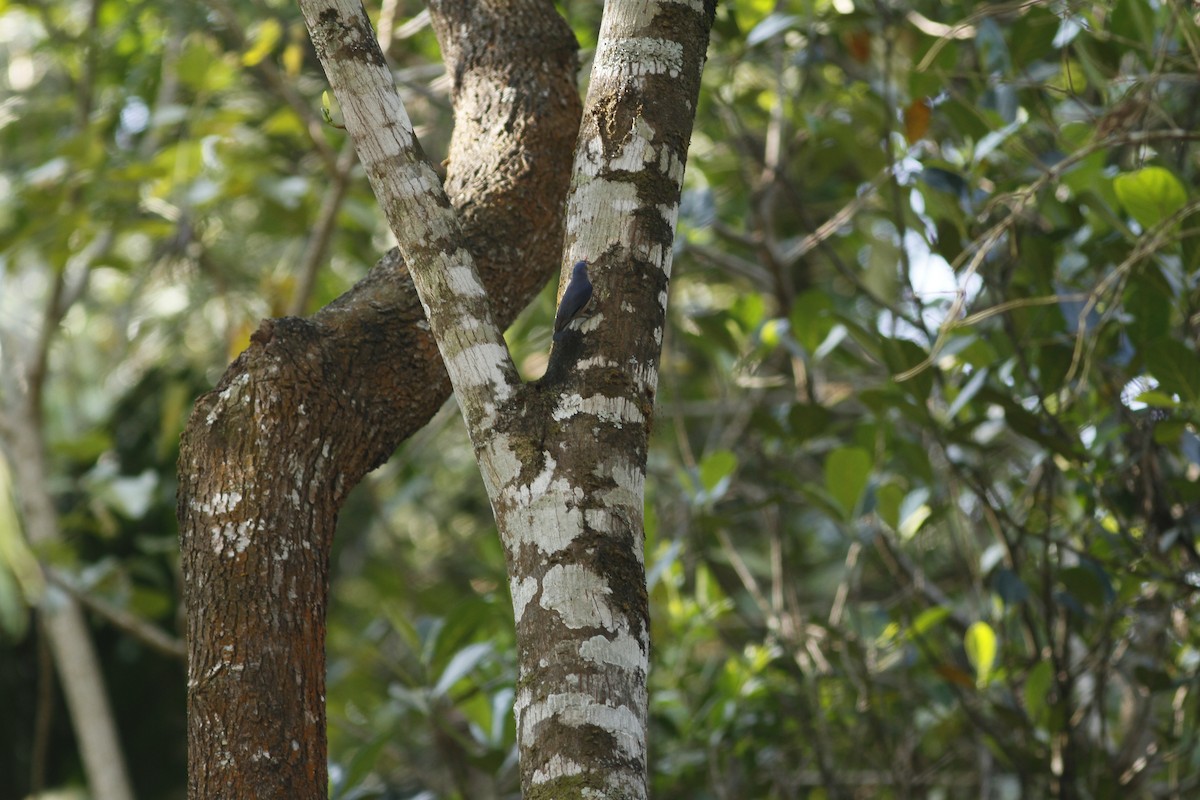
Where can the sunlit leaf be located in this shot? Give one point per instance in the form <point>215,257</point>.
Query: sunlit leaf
<point>462,664</point>
<point>771,26</point>
<point>1150,195</point>
<point>262,37</point>
<point>293,58</point>
<point>929,619</point>
<point>980,644</point>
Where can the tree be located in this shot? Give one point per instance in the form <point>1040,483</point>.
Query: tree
<point>271,452</point>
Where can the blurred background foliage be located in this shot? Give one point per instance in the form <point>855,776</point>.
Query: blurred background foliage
<point>923,495</point>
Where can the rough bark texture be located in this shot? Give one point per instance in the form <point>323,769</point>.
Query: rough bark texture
<point>572,521</point>
<point>313,404</point>
<point>271,453</point>
<point>564,460</point>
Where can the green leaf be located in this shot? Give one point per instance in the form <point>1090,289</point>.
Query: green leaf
<point>980,644</point>
<point>263,38</point>
<point>715,468</point>
<point>1087,584</point>
<point>1037,689</point>
<point>913,521</point>
<point>846,472</point>
<point>928,619</point>
<point>1149,302</point>
<point>1009,586</point>
<point>901,356</point>
<point>811,319</point>
<point>887,502</point>
<point>1168,432</point>
<point>1150,195</point>
<point>809,421</point>
<point>1157,399</point>
<point>1176,366</point>
<point>463,662</point>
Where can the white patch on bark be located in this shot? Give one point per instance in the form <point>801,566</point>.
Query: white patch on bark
<point>670,164</point>
<point>479,365</point>
<point>577,709</point>
<point>595,361</point>
<point>229,392</point>
<point>233,537</point>
<point>692,5</point>
<point>644,377</point>
<point>498,466</point>
<point>219,503</point>
<point>630,485</point>
<point>536,488</point>
<point>557,767</point>
<point>522,592</point>
<point>592,323</point>
<point>639,150</point>
<point>579,596</point>
<point>543,513</point>
<point>669,214</point>
<point>614,410</point>
<point>638,57</point>
<point>624,651</point>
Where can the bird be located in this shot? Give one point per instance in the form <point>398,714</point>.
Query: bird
<point>574,299</point>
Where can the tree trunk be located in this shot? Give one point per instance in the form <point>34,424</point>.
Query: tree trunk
<point>313,404</point>
<point>65,626</point>
<point>563,460</point>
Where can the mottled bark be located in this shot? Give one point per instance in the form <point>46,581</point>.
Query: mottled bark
<point>313,404</point>
<point>271,453</point>
<point>564,460</point>
<point>572,521</point>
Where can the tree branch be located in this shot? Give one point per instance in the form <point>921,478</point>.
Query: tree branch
<point>427,228</point>
<point>312,405</point>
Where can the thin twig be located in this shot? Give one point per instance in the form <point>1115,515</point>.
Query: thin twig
<point>317,246</point>
<point>145,632</point>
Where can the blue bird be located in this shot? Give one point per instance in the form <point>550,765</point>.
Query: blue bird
<point>574,299</point>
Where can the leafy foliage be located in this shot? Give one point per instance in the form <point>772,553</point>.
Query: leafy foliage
<point>926,479</point>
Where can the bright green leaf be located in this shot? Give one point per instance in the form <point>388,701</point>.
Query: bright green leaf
<point>980,644</point>
<point>928,619</point>
<point>913,521</point>
<point>1150,195</point>
<point>1157,399</point>
<point>263,38</point>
